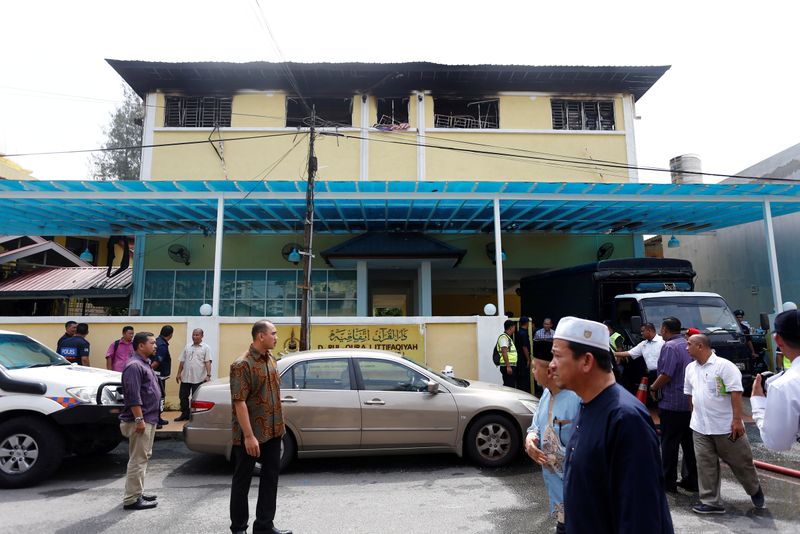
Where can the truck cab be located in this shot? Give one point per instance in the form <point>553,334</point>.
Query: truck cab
<point>708,312</point>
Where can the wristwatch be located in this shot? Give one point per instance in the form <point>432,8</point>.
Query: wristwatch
<point>138,419</point>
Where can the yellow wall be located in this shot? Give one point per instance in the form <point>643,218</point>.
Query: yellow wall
<point>339,158</point>
<point>445,344</point>
<point>452,344</point>
<point>102,259</point>
<point>101,335</point>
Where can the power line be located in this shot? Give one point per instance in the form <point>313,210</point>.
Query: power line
<point>139,147</point>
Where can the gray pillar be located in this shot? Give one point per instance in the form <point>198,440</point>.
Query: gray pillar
<point>362,295</point>
<point>425,298</point>
<point>137,294</point>
<point>772,258</point>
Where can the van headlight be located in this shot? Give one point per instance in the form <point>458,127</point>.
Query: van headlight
<point>532,406</point>
<point>84,394</point>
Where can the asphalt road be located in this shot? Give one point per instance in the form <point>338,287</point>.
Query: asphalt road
<point>438,493</point>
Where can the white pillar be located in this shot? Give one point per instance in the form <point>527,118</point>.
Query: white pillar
<point>364,134</point>
<point>772,257</point>
<point>425,298</point>
<point>218,257</point>
<point>362,295</point>
<point>137,296</point>
<point>498,260</point>
<point>148,135</point>
<point>629,115</point>
<point>421,137</point>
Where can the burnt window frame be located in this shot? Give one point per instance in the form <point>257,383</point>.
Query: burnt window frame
<point>467,120</point>
<point>197,111</point>
<point>296,113</point>
<point>572,114</point>
<point>387,117</point>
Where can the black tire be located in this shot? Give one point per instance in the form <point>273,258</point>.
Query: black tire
<point>288,450</point>
<point>30,451</point>
<point>492,441</point>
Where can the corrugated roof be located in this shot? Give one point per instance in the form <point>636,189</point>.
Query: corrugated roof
<point>67,282</point>
<point>384,79</point>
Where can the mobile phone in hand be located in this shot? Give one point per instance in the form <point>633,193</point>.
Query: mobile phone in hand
<point>731,438</point>
<point>764,376</point>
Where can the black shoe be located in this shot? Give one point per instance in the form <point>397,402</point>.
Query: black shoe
<point>148,498</point>
<point>707,509</point>
<point>162,421</point>
<point>182,418</point>
<point>159,426</point>
<point>279,531</point>
<point>758,498</point>
<point>688,486</point>
<point>140,504</point>
<point>239,531</point>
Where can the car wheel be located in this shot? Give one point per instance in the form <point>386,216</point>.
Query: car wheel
<point>288,450</point>
<point>30,451</point>
<point>492,441</point>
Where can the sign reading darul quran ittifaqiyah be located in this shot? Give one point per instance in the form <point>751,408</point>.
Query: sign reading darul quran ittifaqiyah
<point>408,340</point>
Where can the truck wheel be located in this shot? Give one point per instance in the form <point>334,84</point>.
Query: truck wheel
<point>30,451</point>
<point>492,441</point>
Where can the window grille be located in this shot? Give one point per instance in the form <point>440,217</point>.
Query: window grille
<point>198,111</point>
<point>583,114</point>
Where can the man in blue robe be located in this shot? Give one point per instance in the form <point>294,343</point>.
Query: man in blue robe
<point>613,481</point>
<point>551,429</point>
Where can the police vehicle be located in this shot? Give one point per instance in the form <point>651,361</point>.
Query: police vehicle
<point>50,408</point>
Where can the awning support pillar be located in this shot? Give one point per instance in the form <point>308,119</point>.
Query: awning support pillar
<point>218,257</point>
<point>498,259</point>
<point>772,258</point>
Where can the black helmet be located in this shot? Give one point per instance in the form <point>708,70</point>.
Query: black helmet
<point>738,313</point>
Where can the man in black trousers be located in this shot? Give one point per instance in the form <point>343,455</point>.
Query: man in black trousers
<point>257,430</point>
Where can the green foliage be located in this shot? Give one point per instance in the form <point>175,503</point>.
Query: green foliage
<point>124,130</point>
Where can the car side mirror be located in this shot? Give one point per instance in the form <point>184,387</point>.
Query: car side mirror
<point>433,387</point>
<point>636,323</point>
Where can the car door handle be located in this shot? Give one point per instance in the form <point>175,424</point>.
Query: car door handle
<point>289,399</point>
<point>374,402</point>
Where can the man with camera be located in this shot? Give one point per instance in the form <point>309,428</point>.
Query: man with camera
<point>777,413</point>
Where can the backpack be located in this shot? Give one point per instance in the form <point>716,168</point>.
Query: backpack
<point>496,354</point>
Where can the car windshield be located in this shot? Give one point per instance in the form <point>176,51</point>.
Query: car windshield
<point>18,352</point>
<point>449,379</point>
<point>707,314</point>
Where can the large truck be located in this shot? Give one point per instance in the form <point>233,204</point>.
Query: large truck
<point>633,291</point>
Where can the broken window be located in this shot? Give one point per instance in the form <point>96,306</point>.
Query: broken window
<point>465,113</point>
<point>198,111</point>
<point>392,114</point>
<point>583,114</point>
<point>329,111</point>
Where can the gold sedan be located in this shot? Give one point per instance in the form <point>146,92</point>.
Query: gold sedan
<point>354,402</point>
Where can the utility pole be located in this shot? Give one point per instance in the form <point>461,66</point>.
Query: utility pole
<point>308,238</point>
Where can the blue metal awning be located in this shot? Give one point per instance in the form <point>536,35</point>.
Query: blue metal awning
<point>265,207</point>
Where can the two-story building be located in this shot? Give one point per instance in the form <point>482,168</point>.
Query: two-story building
<point>381,123</point>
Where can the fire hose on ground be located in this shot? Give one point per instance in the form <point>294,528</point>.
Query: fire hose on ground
<point>777,469</point>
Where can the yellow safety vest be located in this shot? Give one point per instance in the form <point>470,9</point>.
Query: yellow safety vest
<point>512,350</point>
<point>612,341</point>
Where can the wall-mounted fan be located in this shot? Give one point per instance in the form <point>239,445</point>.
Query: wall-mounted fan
<point>605,251</point>
<point>179,253</point>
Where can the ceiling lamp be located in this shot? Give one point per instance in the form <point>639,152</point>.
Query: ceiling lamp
<point>87,256</point>
<point>673,242</point>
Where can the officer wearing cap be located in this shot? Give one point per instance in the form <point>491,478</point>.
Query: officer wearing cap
<point>776,406</point>
<point>613,480</point>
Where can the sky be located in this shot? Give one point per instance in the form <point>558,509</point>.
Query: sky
<point>730,95</point>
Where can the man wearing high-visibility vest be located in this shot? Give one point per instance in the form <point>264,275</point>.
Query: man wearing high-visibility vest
<point>508,354</point>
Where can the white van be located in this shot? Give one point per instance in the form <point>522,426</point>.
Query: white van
<point>49,408</point>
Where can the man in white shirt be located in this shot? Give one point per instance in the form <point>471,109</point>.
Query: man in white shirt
<point>194,369</point>
<point>649,349</point>
<point>777,414</point>
<point>714,386</point>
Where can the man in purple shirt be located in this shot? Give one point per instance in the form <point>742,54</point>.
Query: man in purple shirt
<point>139,418</point>
<point>674,409</point>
